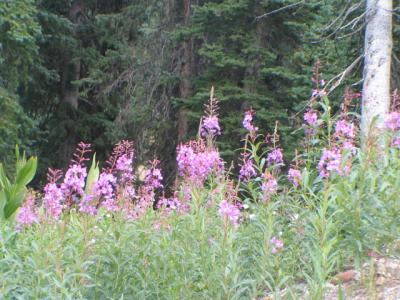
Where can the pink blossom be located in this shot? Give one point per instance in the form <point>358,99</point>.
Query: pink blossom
<point>27,213</point>
<point>210,126</point>
<point>396,142</point>
<point>74,180</point>
<point>392,120</point>
<point>311,117</point>
<point>294,176</point>
<point>275,157</point>
<point>103,189</point>
<point>86,205</point>
<point>277,244</point>
<point>330,161</point>
<point>345,128</point>
<point>230,211</point>
<point>247,170</point>
<point>52,200</point>
<point>247,121</point>
<point>124,167</point>
<point>153,178</point>
<point>196,163</point>
<point>269,186</point>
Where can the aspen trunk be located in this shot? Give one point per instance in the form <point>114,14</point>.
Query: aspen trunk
<point>377,62</point>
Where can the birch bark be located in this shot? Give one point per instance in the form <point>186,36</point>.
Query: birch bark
<point>377,62</point>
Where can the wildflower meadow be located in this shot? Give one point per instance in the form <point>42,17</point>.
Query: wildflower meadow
<point>263,228</point>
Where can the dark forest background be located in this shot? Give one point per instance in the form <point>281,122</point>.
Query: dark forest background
<point>101,70</point>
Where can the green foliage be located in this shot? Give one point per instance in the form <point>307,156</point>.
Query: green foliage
<point>12,192</point>
<point>15,127</point>
<point>93,175</point>
<point>19,31</point>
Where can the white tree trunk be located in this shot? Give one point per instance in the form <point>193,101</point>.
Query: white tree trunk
<point>377,61</point>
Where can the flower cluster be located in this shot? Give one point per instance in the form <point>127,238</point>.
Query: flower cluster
<point>294,176</point>
<point>392,121</point>
<point>248,119</point>
<point>53,199</point>
<point>124,166</point>
<point>276,244</point>
<point>229,211</point>
<point>153,176</point>
<point>331,161</point>
<point>345,129</point>
<point>27,214</point>
<point>210,126</point>
<point>74,180</point>
<point>247,170</point>
<point>196,162</point>
<point>310,122</point>
<point>269,186</point>
<point>275,157</point>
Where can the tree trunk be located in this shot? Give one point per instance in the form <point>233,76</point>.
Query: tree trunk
<point>71,68</point>
<point>377,62</point>
<point>187,70</point>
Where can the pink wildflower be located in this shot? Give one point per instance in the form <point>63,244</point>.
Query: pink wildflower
<point>124,167</point>
<point>52,200</point>
<point>275,157</point>
<point>294,176</point>
<point>196,163</point>
<point>345,128</point>
<point>247,170</point>
<point>247,121</point>
<point>269,186</point>
<point>392,120</point>
<point>311,117</point>
<point>74,180</point>
<point>330,161</point>
<point>27,213</point>
<point>277,244</point>
<point>210,126</point>
<point>229,211</point>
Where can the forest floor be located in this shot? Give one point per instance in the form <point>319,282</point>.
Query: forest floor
<point>378,279</point>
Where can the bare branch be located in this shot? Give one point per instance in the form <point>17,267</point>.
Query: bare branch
<point>280,9</point>
<point>340,77</point>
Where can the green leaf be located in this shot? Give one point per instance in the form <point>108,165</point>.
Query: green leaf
<point>27,172</point>
<point>4,182</point>
<point>14,203</point>
<point>93,175</point>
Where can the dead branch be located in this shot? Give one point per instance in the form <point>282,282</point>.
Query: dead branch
<point>280,9</point>
<point>340,77</point>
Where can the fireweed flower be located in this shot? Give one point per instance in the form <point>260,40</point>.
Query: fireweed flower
<point>124,167</point>
<point>275,157</point>
<point>153,178</point>
<point>229,211</point>
<point>196,162</point>
<point>392,120</point>
<point>247,170</point>
<point>269,186</point>
<point>276,244</point>
<point>171,204</point>
<point>396,142</point>
<point>345,129</point>
<point>52,200</point>
<point>103,189</point>
<point>27,213</point>
<point>247,121</point>
<point>74,180</point>
<point>87,206</point>
<point>331,161</point>
<point>311,117</point>
<point>210,126</point>
<point>294,176</point>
